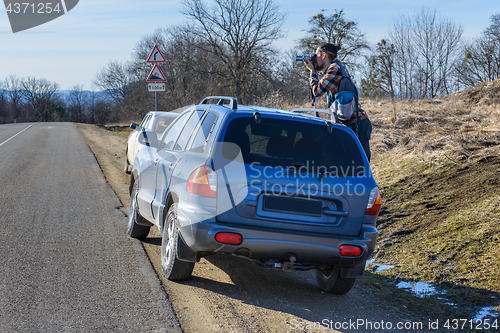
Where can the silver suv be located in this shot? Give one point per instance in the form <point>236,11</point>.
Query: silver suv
<point>285,189</point>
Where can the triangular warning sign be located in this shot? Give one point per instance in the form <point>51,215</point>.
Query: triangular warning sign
<point>156,75</point>
<point>156,56</point>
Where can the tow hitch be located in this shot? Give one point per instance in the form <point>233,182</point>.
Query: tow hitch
<point>288,266</point>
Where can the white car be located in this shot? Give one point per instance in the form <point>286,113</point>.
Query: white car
<point>154,121</point>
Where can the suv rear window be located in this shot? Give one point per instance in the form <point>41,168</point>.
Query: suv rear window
<point>288,143</point>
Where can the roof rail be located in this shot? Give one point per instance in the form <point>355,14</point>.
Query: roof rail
<point>317,112</point>
<point>233,103</point>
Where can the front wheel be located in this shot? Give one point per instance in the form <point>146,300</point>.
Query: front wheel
<point>134,229</point>
<point>173,268</point>
<point>330,281</point>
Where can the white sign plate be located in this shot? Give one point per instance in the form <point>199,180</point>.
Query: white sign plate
<point>156,86</point>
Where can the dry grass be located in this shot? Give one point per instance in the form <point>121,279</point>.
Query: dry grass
<point>438,165</point>
<point>428,130</point>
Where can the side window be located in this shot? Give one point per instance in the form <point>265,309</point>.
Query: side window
<point>147,125</point>
<point>173,132</point>
<point>145,120</point>
<point>203,133</point>
<point>188,129</point>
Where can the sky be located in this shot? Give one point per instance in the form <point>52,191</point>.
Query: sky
<point>73,48</point>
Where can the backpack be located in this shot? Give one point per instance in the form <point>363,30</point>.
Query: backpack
<point>346,99</point>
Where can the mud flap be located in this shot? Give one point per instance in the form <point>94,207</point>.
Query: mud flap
<point>353,272</point>
<point>184,252</point>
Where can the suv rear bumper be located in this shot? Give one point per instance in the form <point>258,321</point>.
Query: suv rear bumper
<point>198,229</point>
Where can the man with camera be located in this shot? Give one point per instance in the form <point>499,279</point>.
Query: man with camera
<point>325,59</point>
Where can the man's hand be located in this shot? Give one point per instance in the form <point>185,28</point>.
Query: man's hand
<point>310,65</point>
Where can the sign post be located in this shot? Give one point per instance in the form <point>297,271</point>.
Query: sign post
<point>155,77</point>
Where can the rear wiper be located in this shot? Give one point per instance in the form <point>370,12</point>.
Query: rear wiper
<point>322,175</point>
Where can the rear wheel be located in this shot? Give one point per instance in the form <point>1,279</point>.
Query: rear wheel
<point>134,217</point>
<point>173,268</point>
<point>330,281</point>
<point>127,165</point>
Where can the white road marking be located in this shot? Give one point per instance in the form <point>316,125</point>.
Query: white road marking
<point>12,137</point>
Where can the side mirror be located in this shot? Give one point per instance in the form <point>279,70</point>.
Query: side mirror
<point>148,139</point>
<point>133,126</point>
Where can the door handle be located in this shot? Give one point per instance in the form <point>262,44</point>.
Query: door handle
<point>156,161</point>
<point>170,166</point>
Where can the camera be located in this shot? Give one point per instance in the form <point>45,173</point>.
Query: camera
<point>311,57</point>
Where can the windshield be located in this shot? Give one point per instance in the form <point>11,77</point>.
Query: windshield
<point>162,123</point>
<point>292,144</point>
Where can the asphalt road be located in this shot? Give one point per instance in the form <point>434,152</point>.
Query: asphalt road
<point>66,264</point>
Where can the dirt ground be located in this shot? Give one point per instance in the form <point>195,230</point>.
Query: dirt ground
<point>229,294</point>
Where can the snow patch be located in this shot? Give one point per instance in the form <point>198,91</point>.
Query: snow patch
<point>421,289</point>
<point>485,312</point>
<point>381,268</point>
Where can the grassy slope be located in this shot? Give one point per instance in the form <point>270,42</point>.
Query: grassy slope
<point>442,224</point>
<point>438,166</point>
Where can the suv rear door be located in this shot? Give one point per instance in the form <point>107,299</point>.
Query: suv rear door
<point>298,174</point>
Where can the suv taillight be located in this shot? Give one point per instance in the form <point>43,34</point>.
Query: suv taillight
<point>346,250</point>
<point>231,238</point>
<point>203,181</point>
<point>374,202</point>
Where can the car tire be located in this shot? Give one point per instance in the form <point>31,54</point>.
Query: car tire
<point>330,281</point>
<point>134,229</point>
<point>173,268</point>
<point>127,167</point>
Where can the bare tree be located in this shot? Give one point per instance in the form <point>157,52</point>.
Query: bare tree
<point>77,103</point>
<point>336,29</point>
<point>40,95</point>
<point>114,78</point>
<point>481,58</point>
<point>13,86</point>
<point>436,42</point>
<point>239,34</point>
<point>401,36</point>
<point>493,31</point>
<point>426,48</point>
<point>4,107</point>
<point>294,86</point>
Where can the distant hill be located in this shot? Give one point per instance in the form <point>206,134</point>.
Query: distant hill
<point>65,95</point>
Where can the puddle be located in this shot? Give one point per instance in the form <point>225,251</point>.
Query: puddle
<point>378,267</point>
<point>421,289</point>
<point>486,312</point>
<point>425,289</point>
